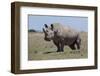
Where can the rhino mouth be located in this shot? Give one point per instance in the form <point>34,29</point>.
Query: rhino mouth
<point>47,39</point>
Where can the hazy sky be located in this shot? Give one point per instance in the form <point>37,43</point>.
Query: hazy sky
<point>37,21</point>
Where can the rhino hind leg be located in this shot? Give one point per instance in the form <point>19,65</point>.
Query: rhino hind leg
<point>78,46</point>
<point>78,43</point>
<point>72,47</point>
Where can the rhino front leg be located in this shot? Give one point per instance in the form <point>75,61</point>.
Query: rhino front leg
<point>62,47</point>
<point>58,46</point>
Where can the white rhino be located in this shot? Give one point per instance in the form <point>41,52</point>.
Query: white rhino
<point>61,36</point>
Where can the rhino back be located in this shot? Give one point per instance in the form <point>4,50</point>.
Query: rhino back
<point>65,31</point>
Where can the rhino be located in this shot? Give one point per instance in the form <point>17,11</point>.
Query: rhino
<point>61,36</point>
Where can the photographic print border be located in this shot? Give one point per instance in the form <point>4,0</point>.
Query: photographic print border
<point>15,37</point>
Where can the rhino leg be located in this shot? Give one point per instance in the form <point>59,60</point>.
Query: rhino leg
<point>78,43</point>
<point>58,46</point>
<point>62,47</point>
<point>72,47</point>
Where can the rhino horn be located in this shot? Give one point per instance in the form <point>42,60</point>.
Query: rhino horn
<point>43,30</point>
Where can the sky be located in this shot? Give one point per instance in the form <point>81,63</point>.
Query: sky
<point>37,22</point>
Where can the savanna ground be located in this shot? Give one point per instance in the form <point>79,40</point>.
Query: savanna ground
<point>39,49</point>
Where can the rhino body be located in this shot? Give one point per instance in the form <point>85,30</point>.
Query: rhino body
<point>61,36</point>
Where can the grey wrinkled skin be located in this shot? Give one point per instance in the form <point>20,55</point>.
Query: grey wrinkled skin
<point>61,36</point>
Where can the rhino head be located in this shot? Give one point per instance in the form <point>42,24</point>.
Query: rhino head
<point>48,32</point>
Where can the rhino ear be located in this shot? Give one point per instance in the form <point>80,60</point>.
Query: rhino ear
<point>46,26</point>
<point>52,27</point>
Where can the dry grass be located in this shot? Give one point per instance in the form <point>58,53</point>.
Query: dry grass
<point>39,49</point>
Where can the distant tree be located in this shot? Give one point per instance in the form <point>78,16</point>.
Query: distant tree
<point>32,30</point>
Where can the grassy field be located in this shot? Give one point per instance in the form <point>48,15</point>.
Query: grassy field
<point>39,49</point>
